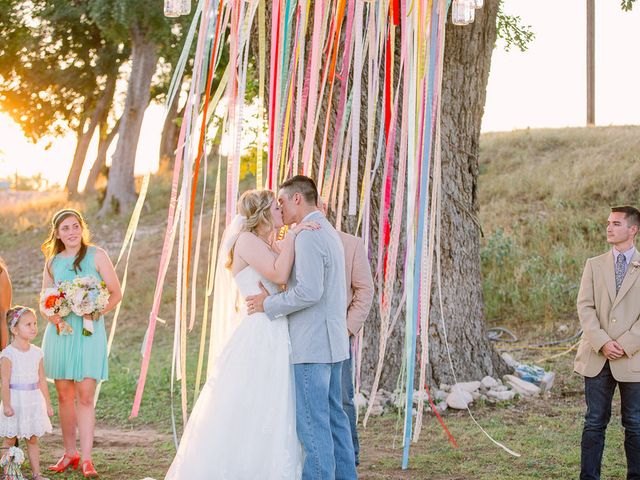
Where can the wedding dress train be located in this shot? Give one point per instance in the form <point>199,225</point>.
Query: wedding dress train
<point>243,424</point>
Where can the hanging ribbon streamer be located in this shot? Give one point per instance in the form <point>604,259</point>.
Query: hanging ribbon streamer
<point>169,234</point>
<point>314,112</point>
<point>127,246</point>
<point>446,341</point>
<point>423,247</point>
<point>355,109</point>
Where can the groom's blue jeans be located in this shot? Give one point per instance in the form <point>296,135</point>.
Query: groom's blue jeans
<point>322,425</point>
<point>598,392</point>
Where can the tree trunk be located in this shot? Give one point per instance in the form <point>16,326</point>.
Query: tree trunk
<point>121,191</point>
<point>82,146</point>
<point>170,133</point>
<point>466,70</point>
<point>84,136</point>
<point>467,62</point>
<point>104,143</point>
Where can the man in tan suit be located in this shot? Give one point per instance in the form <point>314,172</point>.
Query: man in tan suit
<point>608,354</point>
<point>359,299</point>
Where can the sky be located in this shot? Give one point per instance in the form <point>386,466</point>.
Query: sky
<point>19,154</point>
<point>546,85</point>
<point>542,87</point>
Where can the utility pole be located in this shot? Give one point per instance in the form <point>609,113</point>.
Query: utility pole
<point>591,63</point>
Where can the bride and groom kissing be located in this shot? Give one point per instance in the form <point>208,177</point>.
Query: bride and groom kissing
<point>272,407</point>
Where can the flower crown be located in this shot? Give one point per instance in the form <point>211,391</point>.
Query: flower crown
<point>13,321</point>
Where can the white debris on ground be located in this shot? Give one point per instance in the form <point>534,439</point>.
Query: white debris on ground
<point>461,395</point>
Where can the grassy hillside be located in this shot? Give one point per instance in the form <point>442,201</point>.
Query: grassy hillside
<point>544,200</point>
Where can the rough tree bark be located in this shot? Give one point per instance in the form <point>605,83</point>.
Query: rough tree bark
<point>85,134</point>
<point>467,61</point>
<point>121,191</point>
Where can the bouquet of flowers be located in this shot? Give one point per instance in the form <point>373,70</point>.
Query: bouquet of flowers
<point>87,296</point>
<point>11,462</point>
<point>53,301</point>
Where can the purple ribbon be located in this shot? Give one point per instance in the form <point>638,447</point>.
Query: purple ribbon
<point>24,386</point>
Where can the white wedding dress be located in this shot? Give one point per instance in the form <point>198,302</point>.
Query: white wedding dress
<point>243,424</point>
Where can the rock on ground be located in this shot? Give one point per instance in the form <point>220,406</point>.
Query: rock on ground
<point>525,389</point>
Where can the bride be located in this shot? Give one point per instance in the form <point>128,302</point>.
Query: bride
<point>243,424</point>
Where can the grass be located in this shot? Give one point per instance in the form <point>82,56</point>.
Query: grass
<point>544,197</point>
<point>21,215</point>
<point>544,200</point>
<point>545,431</point>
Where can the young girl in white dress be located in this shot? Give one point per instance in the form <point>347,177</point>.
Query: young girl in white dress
<point>26,406</point>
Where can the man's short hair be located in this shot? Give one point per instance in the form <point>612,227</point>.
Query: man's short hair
<point>631,214</point>
<point>304,186</point>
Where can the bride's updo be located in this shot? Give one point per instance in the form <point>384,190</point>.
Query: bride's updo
<point>255,206</point>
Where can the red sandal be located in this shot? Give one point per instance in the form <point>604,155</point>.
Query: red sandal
<point>65,462</point>
<point>88,470</point>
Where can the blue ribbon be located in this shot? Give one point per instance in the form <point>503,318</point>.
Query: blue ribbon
<point>411,334</point>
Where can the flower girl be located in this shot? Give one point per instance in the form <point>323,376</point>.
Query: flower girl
<point>26,406</point>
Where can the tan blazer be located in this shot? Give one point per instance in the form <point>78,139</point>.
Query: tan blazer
<point>359,282</point>
<point>605,316</point>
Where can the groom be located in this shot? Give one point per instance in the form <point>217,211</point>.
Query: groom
<point>316,305</point>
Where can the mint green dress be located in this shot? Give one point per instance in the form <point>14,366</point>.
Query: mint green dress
<point>75,356</point>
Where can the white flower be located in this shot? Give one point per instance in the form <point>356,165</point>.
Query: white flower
<point>14,455</point>
<point>17,454</point>
<point>87,296</point>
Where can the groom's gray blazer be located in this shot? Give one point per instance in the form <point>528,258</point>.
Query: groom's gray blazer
<point>316,297</point>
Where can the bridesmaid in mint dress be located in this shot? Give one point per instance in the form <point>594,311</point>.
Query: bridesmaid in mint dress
<point>76,362</point>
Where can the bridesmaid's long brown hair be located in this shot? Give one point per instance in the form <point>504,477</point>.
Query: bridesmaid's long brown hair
<point>53,245</point>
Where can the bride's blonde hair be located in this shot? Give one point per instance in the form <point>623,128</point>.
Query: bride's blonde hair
<point>255,205</point>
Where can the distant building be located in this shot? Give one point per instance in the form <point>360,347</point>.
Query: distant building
<point>5,185</point>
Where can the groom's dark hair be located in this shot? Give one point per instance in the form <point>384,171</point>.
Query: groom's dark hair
<point>304,186</point>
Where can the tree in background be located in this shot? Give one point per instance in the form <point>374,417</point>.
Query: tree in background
<point>57,73</point>
<point>152,37</point>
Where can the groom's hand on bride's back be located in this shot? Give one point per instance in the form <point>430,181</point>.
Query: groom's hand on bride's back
<point>255,303</point>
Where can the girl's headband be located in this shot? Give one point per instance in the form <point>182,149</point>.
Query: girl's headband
<point>66,211</point>
<point>16,316</point>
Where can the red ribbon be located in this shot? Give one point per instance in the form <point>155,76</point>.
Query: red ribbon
<point>452,440</point>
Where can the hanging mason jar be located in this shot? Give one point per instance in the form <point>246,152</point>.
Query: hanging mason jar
<point>172,8</point>
<point>185,7</point>
<point>463,12</point>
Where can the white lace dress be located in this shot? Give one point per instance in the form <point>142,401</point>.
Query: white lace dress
<point>30,409</point>
<point>243,424</point>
